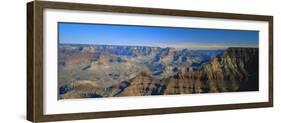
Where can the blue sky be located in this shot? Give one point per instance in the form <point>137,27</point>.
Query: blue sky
<point>155,36</point>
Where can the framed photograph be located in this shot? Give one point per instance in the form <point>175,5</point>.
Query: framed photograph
<point>96,61</point>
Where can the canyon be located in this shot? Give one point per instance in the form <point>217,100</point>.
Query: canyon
<point>96,71</point>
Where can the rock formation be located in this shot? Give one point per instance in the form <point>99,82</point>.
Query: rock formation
<point>92,71</point>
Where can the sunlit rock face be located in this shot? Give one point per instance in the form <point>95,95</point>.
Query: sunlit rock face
<point>95,71</point>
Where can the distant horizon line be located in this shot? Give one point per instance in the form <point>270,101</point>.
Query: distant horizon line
<point>217,48</point>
